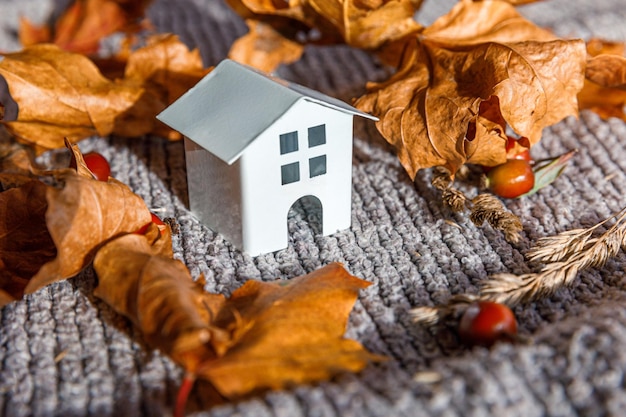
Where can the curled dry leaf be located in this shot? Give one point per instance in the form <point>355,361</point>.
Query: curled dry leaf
<point>59,94</point>
<point>266,335</point>
<point>158,295</point>
<point>84,23</point>
<point>465,78</point>
<point>53,222</point>
<point>82,214</point>
<point>361,24</point>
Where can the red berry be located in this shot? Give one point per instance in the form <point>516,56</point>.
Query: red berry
<point>154,219</point>
<point>523,154</point>
<point>511,179</point>
<point>98,165</point>
<point>485,322</point>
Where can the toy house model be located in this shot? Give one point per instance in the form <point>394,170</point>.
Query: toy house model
<point>254,146</point>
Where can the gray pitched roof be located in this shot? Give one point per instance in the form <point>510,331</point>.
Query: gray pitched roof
<point>234,104</point>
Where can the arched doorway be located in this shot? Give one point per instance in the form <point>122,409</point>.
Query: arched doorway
<point>305,215</point>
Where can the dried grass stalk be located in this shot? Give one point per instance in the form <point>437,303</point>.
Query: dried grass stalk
<point>431,315</point>
<point>564,255</point>
<point>442,178</point>
<point>486,207</point>
<point>454,199</point>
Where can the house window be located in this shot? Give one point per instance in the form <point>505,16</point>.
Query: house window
<point>317,166</point>
<point>317,135</point>
<point>290,173</point>
<point>288,142</point>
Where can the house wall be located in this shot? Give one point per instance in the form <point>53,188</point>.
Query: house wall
<point>214,192</point>
<point>266,201</point>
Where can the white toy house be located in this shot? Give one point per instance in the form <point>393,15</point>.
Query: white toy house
<point>254,146</point>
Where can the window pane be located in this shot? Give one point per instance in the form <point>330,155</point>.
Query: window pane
<point>317,166</point>
<point>288,142</point>
<point>317,135</point>
<point>290,173</point>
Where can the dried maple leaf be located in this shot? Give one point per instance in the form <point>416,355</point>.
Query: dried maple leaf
<point>604,91</point>
<point>462,80</point>
<point>266,335</point>
<point>366,24</point>
<point>84,23</point>
<point>60,94</point>
<point>286,332</point>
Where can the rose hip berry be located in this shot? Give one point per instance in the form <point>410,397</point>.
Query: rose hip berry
<point>485,322</point>
<point>511,179</point>
<point>98,165</point>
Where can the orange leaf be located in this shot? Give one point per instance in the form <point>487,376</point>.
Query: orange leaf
<point>286,332</point>
<point>31,34</point>
<point>476,69</point>
<point>84,23</point>
<point>267,335</point>
<point>280,28</point>
<point>607,70</point>
<point>61,94</point>
<point>264,48</point>
<point>82,214</point>
<point>604,91</point>
<point>165,66</point>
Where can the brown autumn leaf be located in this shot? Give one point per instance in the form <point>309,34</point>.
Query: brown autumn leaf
<point>607,71</point>
<point>25,243</point>
<point>266,335</point>
<point>264,48</point>
<point>17,165</point>
<point>365,24</point>
<point>463,79</point>
<point>53,222</point>
<point>84,23</point>
<point>82,214</point>
<point>604,91</point>
<point>165,66</point>
<point>60,94</point>
<point>159,296</point>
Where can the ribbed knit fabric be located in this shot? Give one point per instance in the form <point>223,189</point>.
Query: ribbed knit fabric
<point>63,352</point>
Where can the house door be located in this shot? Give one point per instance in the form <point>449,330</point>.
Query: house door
<point>305,215</point>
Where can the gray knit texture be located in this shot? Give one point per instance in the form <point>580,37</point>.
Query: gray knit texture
<point>63,352</point>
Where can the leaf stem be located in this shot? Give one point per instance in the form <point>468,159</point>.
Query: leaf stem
<point>183,394</point>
